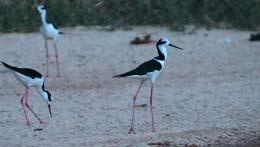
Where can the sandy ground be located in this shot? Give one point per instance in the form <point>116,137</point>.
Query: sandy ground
<point>208,94</point>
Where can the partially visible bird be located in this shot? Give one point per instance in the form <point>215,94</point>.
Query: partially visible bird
<point>49,31</point>
<point>149,70</point>
<point>30,78</point>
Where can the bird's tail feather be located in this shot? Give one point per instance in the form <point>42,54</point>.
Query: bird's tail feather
<point>122,75</point>
<point>117,76</point>
<point>71,33</point>
<point>62,33</point>
<point>7,65</point>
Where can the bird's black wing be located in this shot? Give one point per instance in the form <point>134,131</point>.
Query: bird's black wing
<point>55,26</point>
<point>25,71</point>
<point>148,66</point>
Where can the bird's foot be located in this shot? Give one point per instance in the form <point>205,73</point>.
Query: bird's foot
<point>153,129</point>
<point>58,76</point>
<point>43,122</point>
<point>27,123</point>
<point>131,130</point>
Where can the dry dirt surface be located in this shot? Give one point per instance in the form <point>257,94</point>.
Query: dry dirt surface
<point>207,95</point>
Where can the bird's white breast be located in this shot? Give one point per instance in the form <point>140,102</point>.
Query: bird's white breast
<point>162,62</point>
<point>49,32</point>
<point>153,75</point>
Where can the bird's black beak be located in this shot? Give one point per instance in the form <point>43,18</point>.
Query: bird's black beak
<point>176,47</point>
<point>50,109</point>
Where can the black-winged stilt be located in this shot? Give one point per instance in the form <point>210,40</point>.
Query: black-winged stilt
<point>30,78</point>
<point>149,70</point>
<point>49,32</point>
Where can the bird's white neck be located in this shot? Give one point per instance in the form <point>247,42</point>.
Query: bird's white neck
<point>43,18</point>
<point>162,51</point>
<point>43,94</point>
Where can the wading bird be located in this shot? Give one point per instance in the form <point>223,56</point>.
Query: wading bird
<point>30,78</point>
<point>49,32</point>
<point>149,70</point>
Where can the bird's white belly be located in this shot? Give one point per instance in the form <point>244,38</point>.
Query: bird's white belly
<point>49,33</point>
<point>153,75</point>
<point>27,81</point>
<point>150,75</point>
<point>139,76</point>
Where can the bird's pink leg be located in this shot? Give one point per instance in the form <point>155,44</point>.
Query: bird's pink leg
<point>57,59</point>
<point>22,102</point>
<point>151,106</point>
<point>133,111</point>
<point>47,58</point>
<point>26,104</point>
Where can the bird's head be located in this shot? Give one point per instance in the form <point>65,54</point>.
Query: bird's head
<point>48,102</point>
<point>165,42</point>
<point>46,97</point>
<point>41,8</point>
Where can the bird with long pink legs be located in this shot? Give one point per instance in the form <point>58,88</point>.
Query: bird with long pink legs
<point>49,31</point>
<point>30,78</point>
<point>149,70</point>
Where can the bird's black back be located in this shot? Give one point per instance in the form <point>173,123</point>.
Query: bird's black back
<point>25,71</point>
<point>148,66</point>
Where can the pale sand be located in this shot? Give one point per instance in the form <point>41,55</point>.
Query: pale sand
<point>210,90</point>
